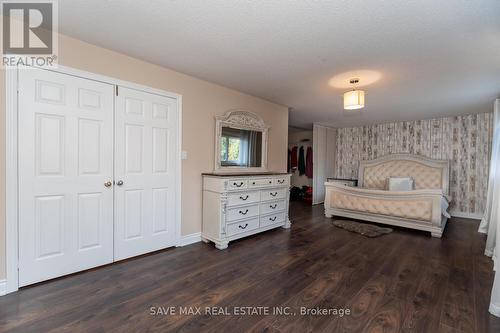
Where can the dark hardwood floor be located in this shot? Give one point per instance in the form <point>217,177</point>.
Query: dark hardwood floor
<point>402,282</point>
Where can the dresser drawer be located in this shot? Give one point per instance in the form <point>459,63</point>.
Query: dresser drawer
<point>272,219</point>
<point>242,213</point>
<point>277,193</point>
<point>237,184</point>
<point>261,182</point>
<point>271,207</point>
<point>243,198</point>
<point>281,181</point>
<point>243,226</point>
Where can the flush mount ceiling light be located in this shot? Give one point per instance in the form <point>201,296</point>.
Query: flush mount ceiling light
<point>354,99</point>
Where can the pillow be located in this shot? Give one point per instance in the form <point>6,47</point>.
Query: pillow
<point>400,184</point>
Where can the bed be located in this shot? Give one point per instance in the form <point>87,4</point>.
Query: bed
<point>424,208</point>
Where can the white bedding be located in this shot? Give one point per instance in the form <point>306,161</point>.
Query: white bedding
<point>444,207</point>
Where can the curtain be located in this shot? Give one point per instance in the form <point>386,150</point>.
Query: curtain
<point>490,224</point>
<point>253,149</point>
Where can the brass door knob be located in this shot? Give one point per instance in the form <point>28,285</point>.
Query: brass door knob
<point>108,184</point>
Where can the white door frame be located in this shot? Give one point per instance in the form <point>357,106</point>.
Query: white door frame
<point>11,160</point>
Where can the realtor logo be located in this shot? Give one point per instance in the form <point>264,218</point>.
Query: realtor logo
<point>29,35</point>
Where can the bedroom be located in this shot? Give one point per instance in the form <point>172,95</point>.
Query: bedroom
<point>145,183</point>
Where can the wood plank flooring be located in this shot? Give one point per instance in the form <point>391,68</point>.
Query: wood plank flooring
<point>402,282</point>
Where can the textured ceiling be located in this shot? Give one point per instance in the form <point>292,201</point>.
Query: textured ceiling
<point>435,57</point>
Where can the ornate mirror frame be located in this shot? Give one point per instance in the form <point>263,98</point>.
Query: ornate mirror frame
<point>240,119</point>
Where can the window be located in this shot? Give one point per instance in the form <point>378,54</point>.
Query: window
<point>241,148</point>
<point>230,150</point>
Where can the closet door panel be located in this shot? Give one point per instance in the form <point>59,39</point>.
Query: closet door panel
<point>65,157</point>
<point>145,198</point>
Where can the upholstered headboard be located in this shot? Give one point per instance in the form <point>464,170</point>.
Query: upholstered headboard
<point>426,173</point>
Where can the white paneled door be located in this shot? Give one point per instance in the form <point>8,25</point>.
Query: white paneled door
<point>145,172</point>
<point>65,159</point>
<point>98,173</point>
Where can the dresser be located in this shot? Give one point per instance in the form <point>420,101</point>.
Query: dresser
<point>240,205</point>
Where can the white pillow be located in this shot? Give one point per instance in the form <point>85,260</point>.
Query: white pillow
<point>400,184</point>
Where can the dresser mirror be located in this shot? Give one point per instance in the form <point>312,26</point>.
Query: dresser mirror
<point>241,142</point>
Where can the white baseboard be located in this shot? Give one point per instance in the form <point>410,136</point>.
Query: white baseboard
<point>190,239</point>
<point>475,216</point>
<point>3,287</point>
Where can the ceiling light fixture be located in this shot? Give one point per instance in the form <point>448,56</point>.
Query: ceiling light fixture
<point>354,99</point>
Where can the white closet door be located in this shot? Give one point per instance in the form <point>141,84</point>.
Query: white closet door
<point>145,172</point>
<point>324,151</point>
<point>65,158</point>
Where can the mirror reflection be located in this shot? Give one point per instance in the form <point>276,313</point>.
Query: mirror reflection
<point>240,148</point>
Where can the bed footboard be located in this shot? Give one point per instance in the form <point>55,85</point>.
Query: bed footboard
<point>418,209</point>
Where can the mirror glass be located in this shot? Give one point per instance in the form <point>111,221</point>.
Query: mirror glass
<point>240,148</point>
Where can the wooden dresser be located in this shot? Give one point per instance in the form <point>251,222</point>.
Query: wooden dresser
<point>240,205</point>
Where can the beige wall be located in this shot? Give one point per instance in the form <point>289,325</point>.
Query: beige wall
<point>202,100</point>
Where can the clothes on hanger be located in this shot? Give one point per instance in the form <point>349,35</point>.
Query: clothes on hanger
<point>289,161</point>
<point>302,162</point>
<point>309,163</point>
<point>293,158</point>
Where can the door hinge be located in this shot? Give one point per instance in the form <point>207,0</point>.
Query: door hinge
<point>116,89</point>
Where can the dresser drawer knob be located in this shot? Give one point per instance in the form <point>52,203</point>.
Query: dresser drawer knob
<point>238,184</point>
<point>244,213</point>
<point>245,198</point>
<point>272,218</point>
<point>243,227</point>
<point>273,206</point>
<point>273,194</point>
<point>270,182</point>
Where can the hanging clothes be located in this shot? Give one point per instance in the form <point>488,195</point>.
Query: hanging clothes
<point>309,162</point>
<point>302,161</point>
<point>289,161</point>
<point>293,158</point>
